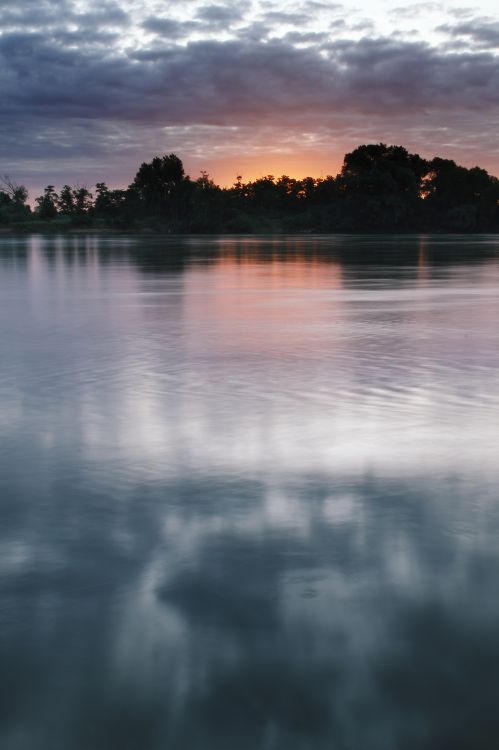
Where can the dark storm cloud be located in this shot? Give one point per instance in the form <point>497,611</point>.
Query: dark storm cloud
<point>222,82</point>
<point>396,75</point>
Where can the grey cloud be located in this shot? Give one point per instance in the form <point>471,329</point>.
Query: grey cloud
<point>364,25</point>
<point>220,14</point>
<point>81,38</point>
<point>305,37</point>
<point>255,32</point>
<point>27,15</point>
<point>286,19</point>
<point>46,15</point>
<point>463,12</point>
<point>235,82</point>
<point>169,27</point>
<point>413,11</point>
<point>316,5</point>
<point>338,25</point>
<point>391,74</point>
<point>108,14</point>
<point>484,32</point>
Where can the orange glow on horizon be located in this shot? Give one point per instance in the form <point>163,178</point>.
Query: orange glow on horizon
<point>321,163</point>
<point>225,170</point>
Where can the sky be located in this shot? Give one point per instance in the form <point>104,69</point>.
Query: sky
<point>89,89</point>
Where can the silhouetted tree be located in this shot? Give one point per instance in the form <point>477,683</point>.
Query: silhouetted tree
<point>206,206</point>
<point>65,201</point>
<point>17,193</point>
<point>109,203</point>
<point>13,199</point>
<point>83,200</point>
<point>102,204</point>
<point>47,203</point>
<point>460,199</point>
<point>381,186</point>
<point>159,184</point>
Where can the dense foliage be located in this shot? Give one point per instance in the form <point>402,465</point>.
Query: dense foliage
<point>380,189</point>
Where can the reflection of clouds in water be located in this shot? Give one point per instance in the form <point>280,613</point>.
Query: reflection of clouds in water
<point>225,615</point>
<point>213,536</point>
<point>294,635</point>
<point>246,365</point>
<point>332,376</point>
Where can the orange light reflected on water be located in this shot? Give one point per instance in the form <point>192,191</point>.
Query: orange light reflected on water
<point>263,305</point>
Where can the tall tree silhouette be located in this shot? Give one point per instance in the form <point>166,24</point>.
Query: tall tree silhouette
<point>381,186</point>
<point>159,184</point>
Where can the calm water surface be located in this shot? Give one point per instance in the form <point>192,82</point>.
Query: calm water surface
<point>249,493</point>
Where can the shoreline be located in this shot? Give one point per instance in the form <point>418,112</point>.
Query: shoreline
<point>58,231</point>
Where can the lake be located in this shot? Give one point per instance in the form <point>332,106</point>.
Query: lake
<point>249,493</point>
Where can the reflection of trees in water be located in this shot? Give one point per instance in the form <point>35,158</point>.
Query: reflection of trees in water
<point>168,254</point>
<point>13,252</point>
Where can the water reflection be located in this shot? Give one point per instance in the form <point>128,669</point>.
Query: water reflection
<point>248,493</point>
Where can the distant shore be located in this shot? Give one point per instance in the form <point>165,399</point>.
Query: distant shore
<point>380,189</point>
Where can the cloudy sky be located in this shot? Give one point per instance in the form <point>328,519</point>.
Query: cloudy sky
<point>91,88</point>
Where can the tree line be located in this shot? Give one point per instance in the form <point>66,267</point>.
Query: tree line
<point>380,188</point>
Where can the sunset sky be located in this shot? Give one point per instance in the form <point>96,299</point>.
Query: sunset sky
<point>90,89</point>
